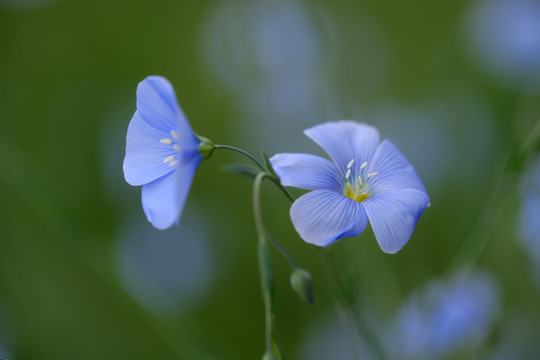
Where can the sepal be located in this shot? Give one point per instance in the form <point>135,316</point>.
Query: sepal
<point>206,146</point>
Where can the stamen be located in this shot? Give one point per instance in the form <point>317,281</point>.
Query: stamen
<point>176,148</point>
<point>360,181</point>
<point>348,174</point>
<point>168,158</point>
<point>174,134</point>
<point>372,174</point>
<point>363,165</point>
<point>165,141</point>
<point>349,165</point>
<point>173,163</point>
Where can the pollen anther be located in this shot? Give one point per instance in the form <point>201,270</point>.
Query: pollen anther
<point>165,141</point>
<point>350,164</point>
<point>173,163</point>
<point>372,174</point>
<point>176,148</point>
<point>168,159</point>
<point>174,134</point>
<point>348,174</point>
<point>363,165</point>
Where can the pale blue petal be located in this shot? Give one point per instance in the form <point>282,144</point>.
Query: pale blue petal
<point>393,216</point>
<point>164,198</point>
<point>393,170</point>
<point>306,171</point>
<point>323,216</point>
<point>346,140</point>
<point>144,153</point>
<point>157,105</point>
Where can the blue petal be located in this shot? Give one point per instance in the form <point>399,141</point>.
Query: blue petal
<point>306,171</point>
<point>393,170</point>
<point>144,153</point>
<point>346,140</point>
<point>323,216</point>
<point>164,198</point>
<point>393,216</point>
<point>157,105</point>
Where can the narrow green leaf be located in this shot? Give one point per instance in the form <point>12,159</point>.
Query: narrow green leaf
<point>242,170</point>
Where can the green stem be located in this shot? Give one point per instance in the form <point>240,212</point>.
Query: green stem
<point>351,317</point>
<point>260,166</point>
<point>494,210</point>
<point>245,153</point>
<point>281,249</point>
<point>280,187</point>
<point>265,267</point>
<point>259,225</point>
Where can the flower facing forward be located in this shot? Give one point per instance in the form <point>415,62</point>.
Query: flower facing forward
<point>366,180</point>
<point>162,152</point>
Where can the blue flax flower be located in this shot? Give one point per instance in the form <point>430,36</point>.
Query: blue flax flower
<point>161,152</point>
<point>366,180</point>
<point>447,315</point>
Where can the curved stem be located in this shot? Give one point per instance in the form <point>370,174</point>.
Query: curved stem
<point>260,166</point>
<point>245,153</point>
<point>259,225</point>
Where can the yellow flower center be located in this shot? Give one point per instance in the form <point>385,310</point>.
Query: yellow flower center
<point>353,192</point>
<point>357,187</point>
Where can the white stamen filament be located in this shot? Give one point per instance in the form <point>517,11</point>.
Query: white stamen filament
<point>359,188</point>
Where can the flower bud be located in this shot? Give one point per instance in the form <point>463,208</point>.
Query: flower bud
<point>302,283</point>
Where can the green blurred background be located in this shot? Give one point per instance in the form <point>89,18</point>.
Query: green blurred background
<point>84,276</point>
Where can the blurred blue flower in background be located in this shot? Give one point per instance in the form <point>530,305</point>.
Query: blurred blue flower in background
<point>529,224</point>
<point>269,57</point>
<point>366,180</point>
<point>169,272</point>
<point>448,315</point>
<point>161,152</point>
<point>443,163</point>
<point>504,36</point>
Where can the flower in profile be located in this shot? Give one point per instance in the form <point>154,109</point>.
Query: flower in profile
<point>366,180</point>
<point>162,152</point>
